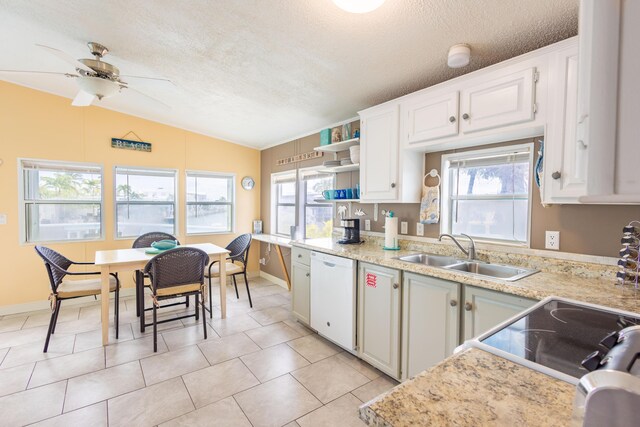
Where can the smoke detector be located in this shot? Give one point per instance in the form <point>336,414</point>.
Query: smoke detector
<point>459,56</point>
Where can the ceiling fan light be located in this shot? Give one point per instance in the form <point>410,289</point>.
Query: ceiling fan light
<point>102,88</point>
<point>358,6</point>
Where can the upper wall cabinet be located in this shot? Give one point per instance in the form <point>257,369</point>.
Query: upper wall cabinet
<point>431,117</point>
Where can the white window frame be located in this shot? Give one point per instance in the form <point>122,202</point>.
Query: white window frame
<point>232,203</point>
<point>115,198</point>
<point>446,200</point>
<point>23,202</point>
<point>274,200</point>
<point>301,188</point>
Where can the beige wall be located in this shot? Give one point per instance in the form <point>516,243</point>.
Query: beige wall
<point>37,125</point>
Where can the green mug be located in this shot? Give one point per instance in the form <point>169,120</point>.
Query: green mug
<point>327,194</point>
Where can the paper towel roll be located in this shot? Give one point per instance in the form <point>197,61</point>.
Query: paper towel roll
<point>391,232</point>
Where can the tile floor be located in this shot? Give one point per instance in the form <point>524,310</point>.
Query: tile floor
<point>259,367</point>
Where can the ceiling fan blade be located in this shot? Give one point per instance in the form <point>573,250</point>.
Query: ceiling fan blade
<point>39,72</point>
<point>149,78</point>
<point>146,96</point>
<point>66,57</point>
<point>83,99</point>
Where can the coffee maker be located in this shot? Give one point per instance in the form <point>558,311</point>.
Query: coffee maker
<point>351,231</point>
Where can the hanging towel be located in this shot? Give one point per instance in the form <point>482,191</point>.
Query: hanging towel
<point>430,203</point>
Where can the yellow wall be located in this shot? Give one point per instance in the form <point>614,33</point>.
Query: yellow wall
<point>38,125</point>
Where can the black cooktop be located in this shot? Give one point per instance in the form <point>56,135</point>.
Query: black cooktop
<point>559,335</point>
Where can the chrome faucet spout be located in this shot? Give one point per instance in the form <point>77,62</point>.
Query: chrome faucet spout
<point>470,252</point>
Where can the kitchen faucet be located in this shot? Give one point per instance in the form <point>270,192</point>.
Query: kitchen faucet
<point>470,253</point>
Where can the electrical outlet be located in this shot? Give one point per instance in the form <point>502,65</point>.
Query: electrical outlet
<point>552,240</point>
<point>367,225</point>
<point>419,229</point>
<point>404,227</point>
<point>263,261</point>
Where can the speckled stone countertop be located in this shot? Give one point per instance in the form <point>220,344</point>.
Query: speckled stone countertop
<point>474,388</point>
<point>591,283</point>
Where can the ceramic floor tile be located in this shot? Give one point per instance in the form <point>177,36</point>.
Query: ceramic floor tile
<point>225,412</point>
<point>162,327</point>
<point>72,365</point>
<point>79,326</point>
<point>264,291</point>
<point>172,364</point>
<point>23,336</point>
<point>274,362</point>
<point>101,385</point>
<point>277,402</point>
<point>93,339</point>
<point>218,350</point>
<point>270,301</point>
<point>374,388</point>
<point>94,416</point>
<point>329,379</point>
<point>151,405</point>
<point>359,365</point>
<point>341,412</point>
<point>30,406</point>
<point>233,325</point>
<point>3,353</point>
<point>235,308</point>
<point>298,327</point>
<point>219,381</point>
<point>60,345</point>
<point>187,336</point>
<point>270,315</point>
<point>43,319</point>
<point>133,350</point>
<point>12,324</point>
<point>15,379</point>
<point>292,424</point>
<point>271,335</point>
<point>314,348</point>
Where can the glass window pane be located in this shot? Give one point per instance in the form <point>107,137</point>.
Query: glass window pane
<point>134,220</point>
<point>287,193</point>
<point>485,180</point>
<point>318,221</point>
<point>66,185</point>
<point>208,218</point>
<point>286,218</point>
<point>316,186</point>
<point>145,188</point>
<point>492,219</point>
<point>50,222</point>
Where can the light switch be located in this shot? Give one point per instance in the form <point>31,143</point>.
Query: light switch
<point>3,219</point>
<point>367,225</point>
<point>419,229</point>
<point>404,227</point>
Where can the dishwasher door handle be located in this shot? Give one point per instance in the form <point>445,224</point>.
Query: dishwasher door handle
<point>328,264</point>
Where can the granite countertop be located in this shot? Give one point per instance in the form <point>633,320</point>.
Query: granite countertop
<point>578,281</point>
<point>474,388</point>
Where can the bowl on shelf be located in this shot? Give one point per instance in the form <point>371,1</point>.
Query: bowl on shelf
<point>345,162</point>
<point>354,153</point>
<point>331,163</point>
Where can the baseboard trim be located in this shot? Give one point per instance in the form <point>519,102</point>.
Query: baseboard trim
<point>273,279</point>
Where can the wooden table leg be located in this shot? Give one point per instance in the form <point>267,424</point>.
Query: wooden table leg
<point>104,296</point>
<point>223,285</point>
<point>284,266</point>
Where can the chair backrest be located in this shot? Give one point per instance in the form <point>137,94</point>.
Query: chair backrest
<point>145,240</point>
<point>239,248</point>
<point>56,265</point>
<point>175,267</point>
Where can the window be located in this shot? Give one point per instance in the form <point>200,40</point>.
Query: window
<point>145,201</point>
<point>60,201</point>
<point>283,196</point>
<point>487,193</point>
<point>210,203</point>
<point>317,214</point>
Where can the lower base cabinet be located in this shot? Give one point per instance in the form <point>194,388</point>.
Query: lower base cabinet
<point>301,289</point>
<point>430,322</point>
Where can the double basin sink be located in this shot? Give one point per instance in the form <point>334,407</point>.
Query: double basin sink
<point>508,273</point>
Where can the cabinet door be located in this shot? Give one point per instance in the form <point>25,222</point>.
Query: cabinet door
<point>502,101</point>
<point>379,154</point>
<point>565,155</point>
<point>430,117</point>
<point>484,309</point>
<point>430,322</point>
<point>379,317</point>
<point>300,292</point>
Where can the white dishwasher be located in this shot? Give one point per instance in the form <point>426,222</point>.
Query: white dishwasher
<point>333,298</point>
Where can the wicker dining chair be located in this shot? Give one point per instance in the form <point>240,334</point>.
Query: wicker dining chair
<point>57,266</point>
<point>236,264</point>
<point>175,273</point>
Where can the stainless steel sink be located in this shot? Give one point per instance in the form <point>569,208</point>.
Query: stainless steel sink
<point>431,260</point>
<point>498,271</point>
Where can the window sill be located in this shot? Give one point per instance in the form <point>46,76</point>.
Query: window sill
<point>57,242</point>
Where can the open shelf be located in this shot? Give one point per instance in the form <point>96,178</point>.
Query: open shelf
<point>338,146</point>
<point>336,200</point>
<point>345,168</point>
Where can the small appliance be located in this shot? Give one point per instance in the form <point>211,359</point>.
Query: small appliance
<point>351,231</point>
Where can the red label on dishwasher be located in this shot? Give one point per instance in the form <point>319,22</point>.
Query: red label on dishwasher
<point>371,280</point>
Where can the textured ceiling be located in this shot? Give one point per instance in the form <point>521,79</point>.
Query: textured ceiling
<point>259,72</point>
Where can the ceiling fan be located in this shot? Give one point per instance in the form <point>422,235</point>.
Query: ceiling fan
<point>96,78</point>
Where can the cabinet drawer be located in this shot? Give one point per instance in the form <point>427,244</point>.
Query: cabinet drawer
<point>300,255</point>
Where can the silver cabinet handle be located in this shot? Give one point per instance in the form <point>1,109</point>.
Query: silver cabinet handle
<point>328,264</point>
<point>395,286</point>
<point>453,303</point>
<point>393,185</point>
<point>307,274</point>
<point>556,175</point>
<point>299,255</point>
<point>452,119</point>
<point>468,306</point>
<point>465,116</point>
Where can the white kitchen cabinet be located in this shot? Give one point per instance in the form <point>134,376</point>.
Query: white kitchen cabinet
<point>430,322</point>
<point>430,117</point>
<point>379,317</point>
<point>498,101</point>
<point>484,309</point>
<point>300,292</point>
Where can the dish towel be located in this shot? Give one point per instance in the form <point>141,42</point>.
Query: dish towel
<point>430,203</point>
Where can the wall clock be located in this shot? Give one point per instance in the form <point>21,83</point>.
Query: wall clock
<point>248,183</point>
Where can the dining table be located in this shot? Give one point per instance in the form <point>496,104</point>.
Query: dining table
<point>122,260</point>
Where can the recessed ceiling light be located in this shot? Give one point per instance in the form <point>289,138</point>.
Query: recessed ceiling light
<point>358,6</point>
<point>459,56</point>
